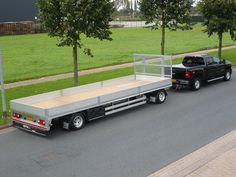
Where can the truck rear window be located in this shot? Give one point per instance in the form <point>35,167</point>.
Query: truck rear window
<point>193,61</point>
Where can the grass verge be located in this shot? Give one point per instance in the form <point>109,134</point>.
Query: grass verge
<point>228,55</point>
<point>33,56</point>
<point>5,121</point>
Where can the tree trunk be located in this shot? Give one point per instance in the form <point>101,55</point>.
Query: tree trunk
<point>75,59</point>
<point>163,29</point>
<point>4,114</point>
<point>220,45</point>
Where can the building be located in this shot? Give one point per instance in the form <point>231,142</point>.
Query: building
<point>17,10</point>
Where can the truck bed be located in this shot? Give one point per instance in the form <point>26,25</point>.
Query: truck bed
<point>63,102</point>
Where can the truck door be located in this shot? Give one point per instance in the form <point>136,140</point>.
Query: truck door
<point>211,69</point>
<point>220,67</point>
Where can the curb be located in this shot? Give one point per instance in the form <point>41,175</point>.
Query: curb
<point>5,126</point>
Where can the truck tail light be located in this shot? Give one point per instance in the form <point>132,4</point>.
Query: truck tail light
<point>187,75</point>
<point>41,122</point>
<point>16,115</point>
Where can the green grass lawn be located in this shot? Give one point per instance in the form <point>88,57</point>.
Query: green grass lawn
<point>228,55</point>
<point>32,56</point>
<point>5,121</point>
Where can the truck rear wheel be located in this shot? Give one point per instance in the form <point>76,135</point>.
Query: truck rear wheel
<point>76,121</point>
<point>196,84</point>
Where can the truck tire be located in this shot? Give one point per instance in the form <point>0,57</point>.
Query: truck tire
<point>161,96</point>
<point>76,121</point>
<point>227,75</point>
<point>196,84</point>
<point>174,87</point>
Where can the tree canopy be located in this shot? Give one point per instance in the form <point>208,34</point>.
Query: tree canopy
<point>220,17</point>
<point>69,19</point>
<point>171,14</point>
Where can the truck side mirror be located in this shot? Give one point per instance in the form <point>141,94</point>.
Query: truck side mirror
<point>222,61</point>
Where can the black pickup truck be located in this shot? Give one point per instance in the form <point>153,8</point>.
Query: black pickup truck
<point>198,69</point>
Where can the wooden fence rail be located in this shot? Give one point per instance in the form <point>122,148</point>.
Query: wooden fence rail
<point>26,27</point>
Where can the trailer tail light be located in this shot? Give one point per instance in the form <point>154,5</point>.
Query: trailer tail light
<point>187,75</point>
<point>41,122</point>
<point>16,115</point>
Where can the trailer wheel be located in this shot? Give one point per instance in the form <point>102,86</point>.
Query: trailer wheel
<point>76,121</point>
<point>161,96</point>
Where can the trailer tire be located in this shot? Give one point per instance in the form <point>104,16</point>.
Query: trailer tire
<point>161,96</point>
<point>76,121</point>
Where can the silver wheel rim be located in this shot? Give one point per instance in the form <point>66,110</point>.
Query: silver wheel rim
<point>197,84</point>
<point>78,121</point>
<point>227,75</point>
<point>162,96</point>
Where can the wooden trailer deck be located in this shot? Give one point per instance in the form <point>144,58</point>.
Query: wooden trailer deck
<point>117,87</point>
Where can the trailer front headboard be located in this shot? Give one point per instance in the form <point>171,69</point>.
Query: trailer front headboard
<point>153,65</point>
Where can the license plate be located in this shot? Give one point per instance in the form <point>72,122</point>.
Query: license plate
<point>26,126</point>
<point>174,81</point>
<point>30,119</point>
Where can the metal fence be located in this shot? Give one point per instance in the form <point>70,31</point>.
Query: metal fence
<point>154,65</point>
<point>128,24</point>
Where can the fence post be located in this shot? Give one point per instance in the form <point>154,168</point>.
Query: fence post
<point>4,112</point>
<point>135,67</point>
<point>171,64</point>
<point>143,65</point>
<point>162,66</point>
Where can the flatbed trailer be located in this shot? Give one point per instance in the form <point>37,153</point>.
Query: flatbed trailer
<point>74,106</point>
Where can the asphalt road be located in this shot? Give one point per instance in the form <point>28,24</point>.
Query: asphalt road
<point>133,143</point>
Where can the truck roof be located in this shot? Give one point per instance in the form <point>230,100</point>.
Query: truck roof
<point>197,55</point>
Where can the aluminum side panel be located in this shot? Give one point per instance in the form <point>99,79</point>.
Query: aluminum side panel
<point>156,85</point>
<point>81,89</point>
<point>38,98</point>
<point>28,110</point>
<point>118,95</point>
<point>73,107</point>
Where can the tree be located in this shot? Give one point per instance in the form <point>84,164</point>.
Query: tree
<point>127,7</point>
<point>220,17</point>
<point>119,4</point>
<point>195,10</point>
<point>68,20</point>
<point>135,6</point>
<point>171,14</point>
